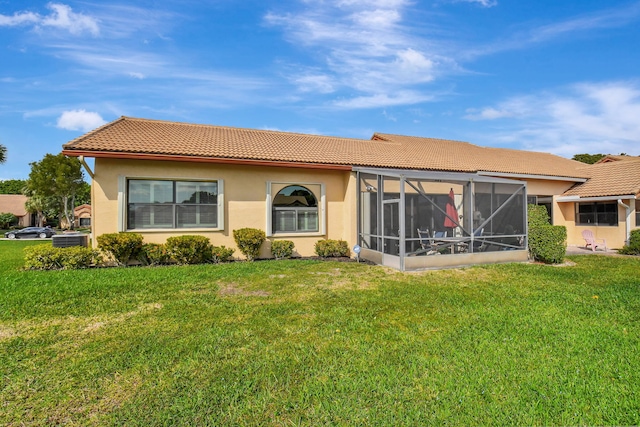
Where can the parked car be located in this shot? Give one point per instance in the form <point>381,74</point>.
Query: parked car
<point>30,232</point>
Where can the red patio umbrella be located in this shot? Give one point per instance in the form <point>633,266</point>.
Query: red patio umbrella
<point>451,220</point>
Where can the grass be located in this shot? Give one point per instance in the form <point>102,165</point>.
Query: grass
<point>320,343</point>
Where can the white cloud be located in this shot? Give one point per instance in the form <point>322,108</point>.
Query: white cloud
<point>483,3</point>
<point>578,25</point>
<point>367,48</point>
<point>135,75</point>
<point>589,117</point>
<point>19,19</point>
<point>61,16</point>
<point>320,83</point>
<point>383,100</point>
<point>80,120</point>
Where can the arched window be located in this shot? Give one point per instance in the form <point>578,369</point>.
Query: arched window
<point>295,209</point>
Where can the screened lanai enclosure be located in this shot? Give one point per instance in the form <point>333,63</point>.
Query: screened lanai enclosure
<point>412,220</point>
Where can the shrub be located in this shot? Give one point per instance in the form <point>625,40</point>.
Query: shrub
<point>249,241</point>
<point>189,249</point>
<point>46,257</point>
<point>332,248</point>
<point>548,243</point>
<point>281,249</point>
<point>633,247</point>
<point>221,253</point>
<point>538,216</point>
<point>122,246</point>
<point>6,219</point>
<point>154,254</point>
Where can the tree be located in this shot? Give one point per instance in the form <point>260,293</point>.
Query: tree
<point>3,154</point>
<point>59,177</point>
<point>6,219</point>
<point>83,196</point>
<point>44,207</point>
<point>12,186</point>
<point>588,158</point>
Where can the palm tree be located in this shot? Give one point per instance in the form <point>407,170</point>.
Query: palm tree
<point>3,153</point>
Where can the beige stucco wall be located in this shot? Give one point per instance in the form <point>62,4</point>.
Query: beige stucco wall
<point>245,194</point>
<point>614,236</point>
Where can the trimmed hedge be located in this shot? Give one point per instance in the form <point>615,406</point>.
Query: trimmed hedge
<point>538,216</point>
<point>332,248</point>
<point>123,246</point>
<point>221,253</point>
<point>281,249</point>
<point>189,249</point>
<point>46,257</point>
<point>633,247</point>
<point>548,243</point>
<point>249,241</point>
<point>155,254</point>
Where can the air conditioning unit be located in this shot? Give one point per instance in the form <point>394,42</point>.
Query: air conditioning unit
<point>70,239</point>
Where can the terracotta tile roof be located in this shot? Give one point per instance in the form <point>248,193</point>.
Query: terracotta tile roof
<point>13,203</point>
<point>153,137</point>
<point>616,178</point>
<point>458,156</point>
<point>615,158</point>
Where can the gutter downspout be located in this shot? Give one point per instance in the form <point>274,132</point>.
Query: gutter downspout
<point>626,221</point>
<point>92,175</point>
<point>86,166</point>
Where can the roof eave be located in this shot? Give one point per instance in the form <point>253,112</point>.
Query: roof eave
<point>568,199</point>
<point>534,176</point>
<point>202,159</point>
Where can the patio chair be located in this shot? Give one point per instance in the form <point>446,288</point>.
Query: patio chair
<point>479,245</point>
<point>590,240</point>
<point>429,244</point>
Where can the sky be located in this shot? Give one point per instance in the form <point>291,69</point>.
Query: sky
<point>542,75</point>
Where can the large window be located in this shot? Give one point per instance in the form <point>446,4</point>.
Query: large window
<point>637,213</point>
<point>295,210</point>
<point>172,204</point>
<point>597,214</point>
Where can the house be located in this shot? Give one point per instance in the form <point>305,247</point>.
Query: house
<point>385,194</point>
<point>82,215</point>
<point>15,204</point>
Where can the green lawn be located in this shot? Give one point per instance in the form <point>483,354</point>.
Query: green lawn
<point>320,343</point>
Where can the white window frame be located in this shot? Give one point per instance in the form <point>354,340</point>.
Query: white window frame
<point>122,204</point>
<point>322,208</point>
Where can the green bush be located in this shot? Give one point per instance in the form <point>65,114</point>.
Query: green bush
<point>548,243</point>
<point>189,249</point>
<point>7,219</point>
<point>249,241</point>
<point>221,253</point>
<point>281,249</point>
<point>538,216</point>
<point>46,257</point>
<point>154,254</point>
<point>332,248</point>
<point>633,247</point>
<point>122,246</point>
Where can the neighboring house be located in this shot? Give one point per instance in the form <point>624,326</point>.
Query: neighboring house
<point>82,215</point>
<point>163,179</point>
<point>14,203</point>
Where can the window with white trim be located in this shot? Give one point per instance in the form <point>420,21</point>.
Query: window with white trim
<point>153,203</point>
<point>295,210</point>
